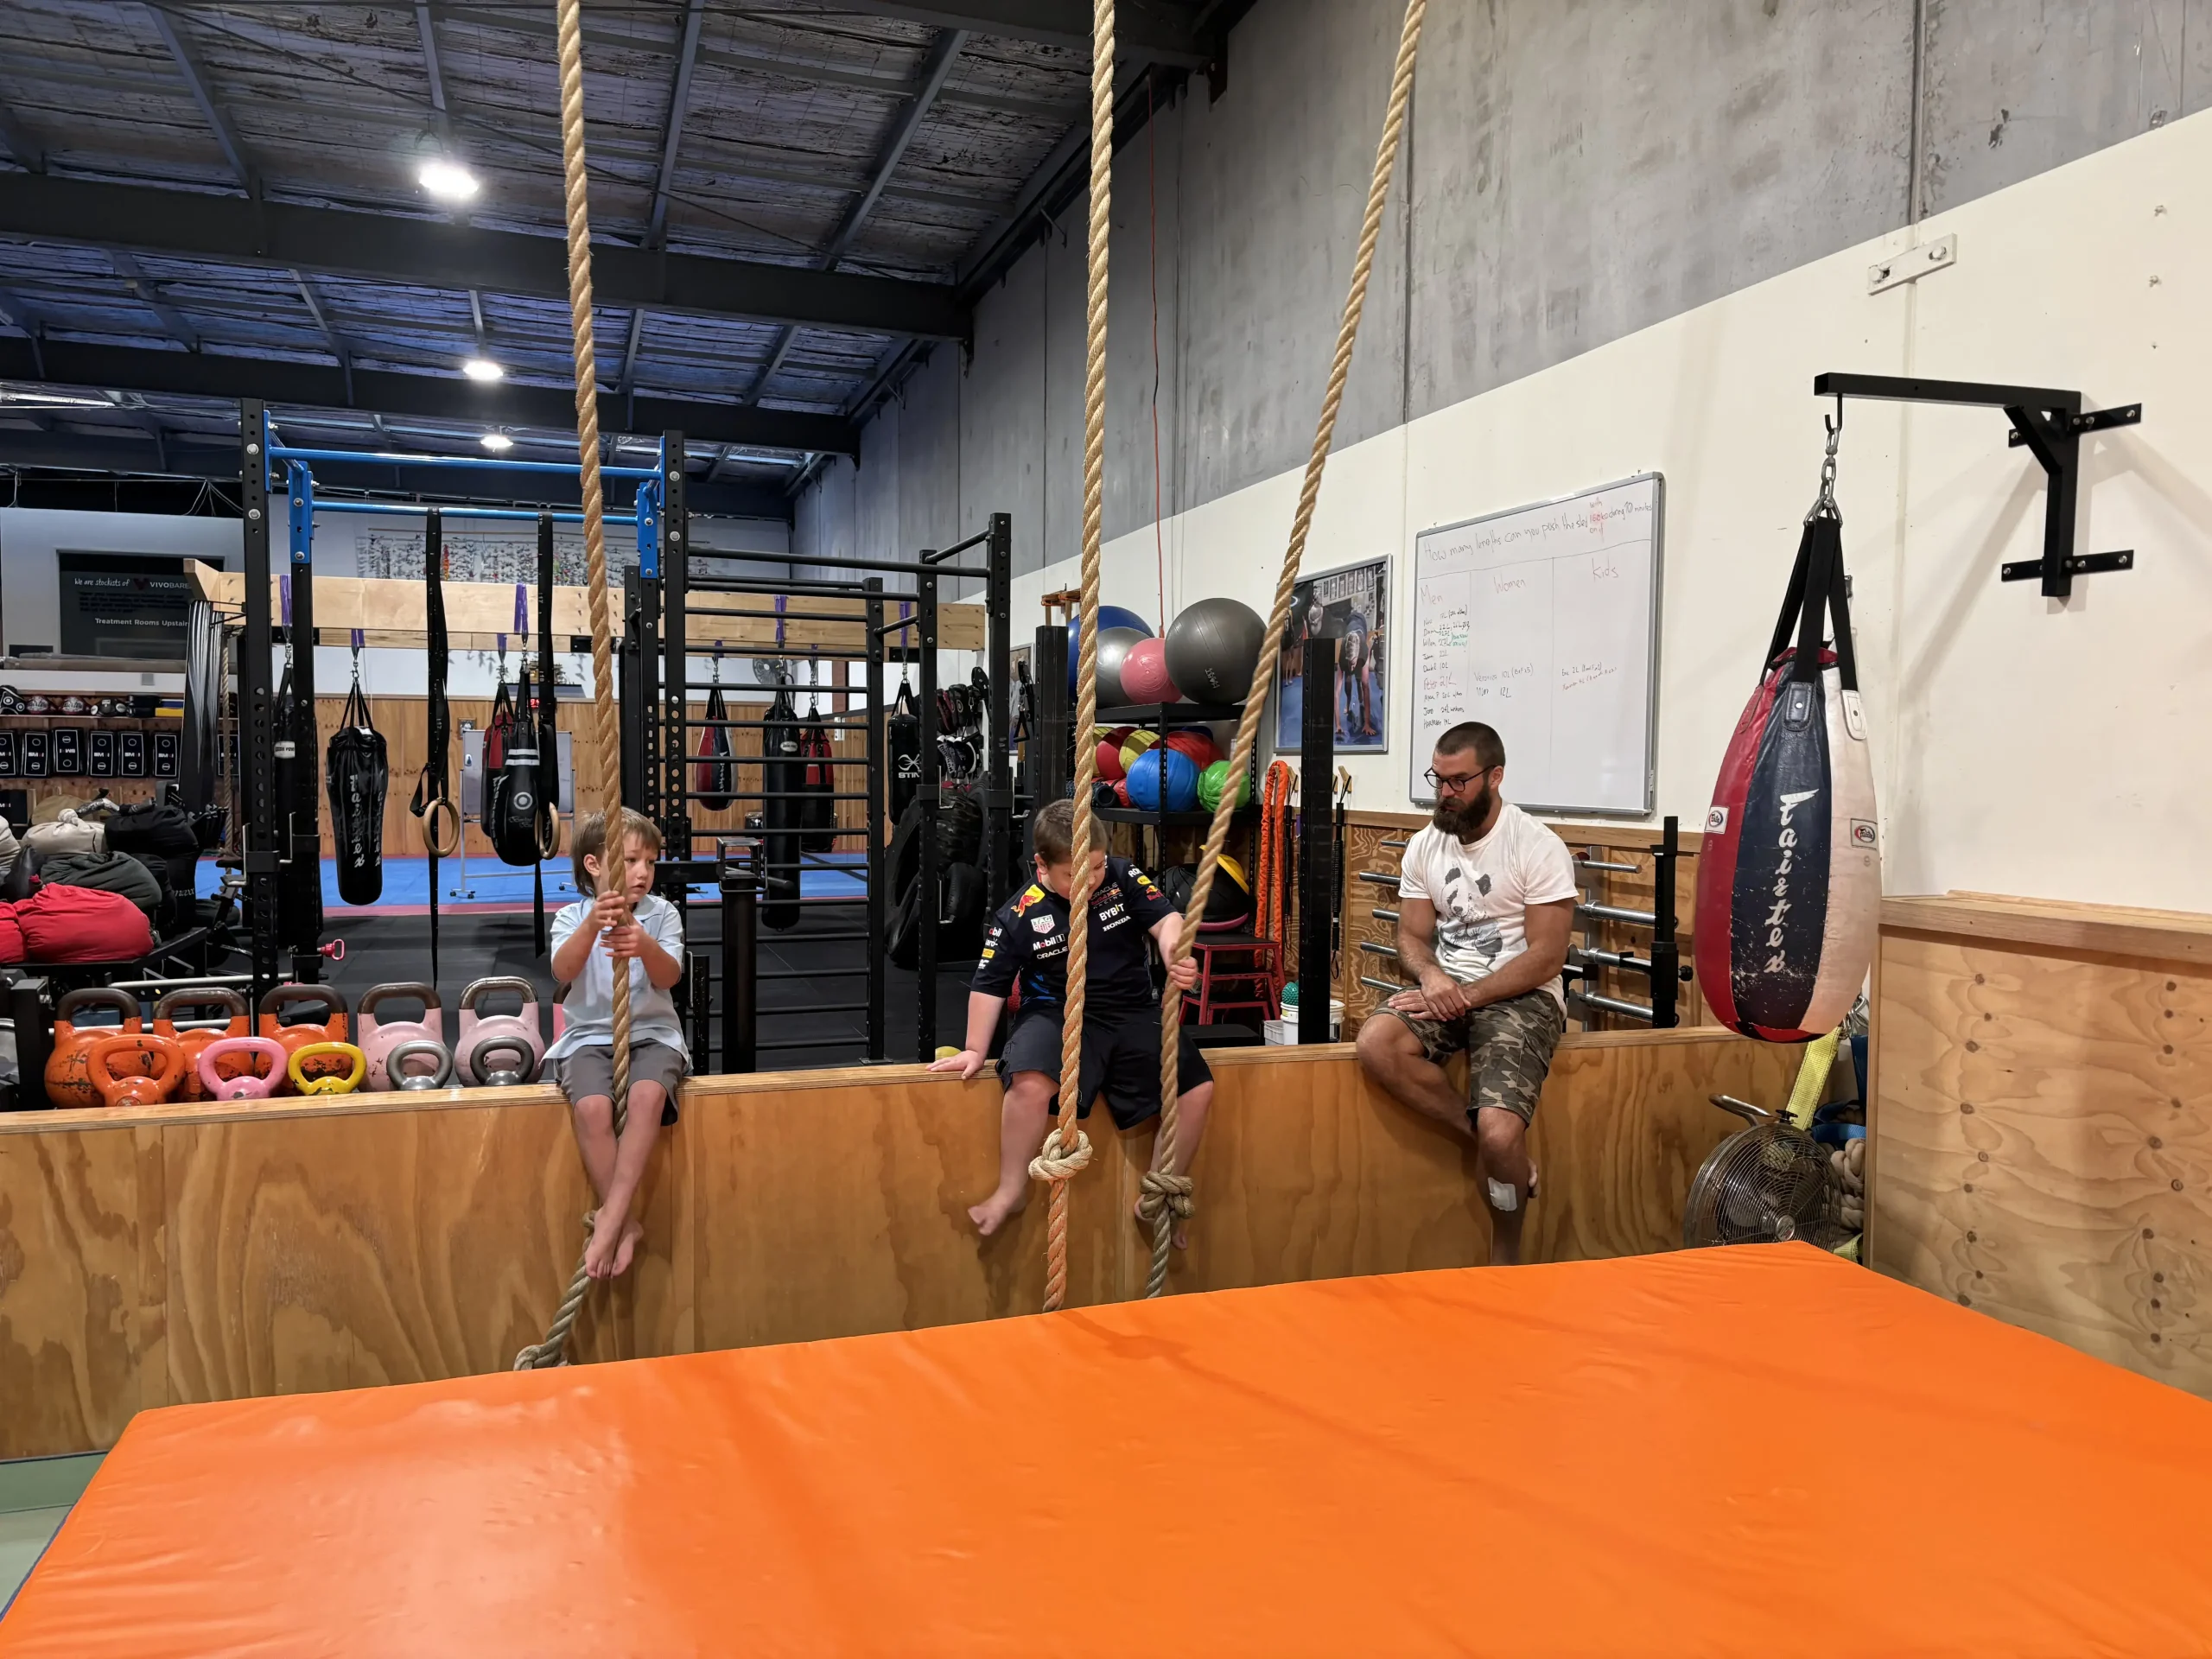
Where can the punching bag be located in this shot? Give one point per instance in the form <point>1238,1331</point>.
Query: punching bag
<point>1789,881</point>
<point>819,811</point>
<point>903,732</point>
<point>714,784</point>
<point>781,773</point>
<point>515,802</point>
<point>358,775</point>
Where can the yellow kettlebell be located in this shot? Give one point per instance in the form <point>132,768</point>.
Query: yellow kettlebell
<point>330,1083</point>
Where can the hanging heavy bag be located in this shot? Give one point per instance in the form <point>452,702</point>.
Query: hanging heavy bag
<point>301,884</point>
<point>515,804</point>
<point>358,774</point>
<point>819,811</point>
<point>903,735</point>
<point>781,773</point>
<point>714,781</point>
<point>1790,878</point>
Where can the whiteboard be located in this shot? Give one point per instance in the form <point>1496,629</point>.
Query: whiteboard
<point>1543,622</point>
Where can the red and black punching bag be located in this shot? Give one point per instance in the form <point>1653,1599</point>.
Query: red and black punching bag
<point>1789,881</point>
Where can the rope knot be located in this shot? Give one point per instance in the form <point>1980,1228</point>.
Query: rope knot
<point>1171,1194</point>
<point>1056,1162</point>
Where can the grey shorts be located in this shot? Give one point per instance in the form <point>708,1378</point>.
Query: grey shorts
<point>1508,1047</point>
<point>589,1072</point>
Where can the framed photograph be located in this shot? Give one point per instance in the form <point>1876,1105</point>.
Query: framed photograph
<point>1351,605</point>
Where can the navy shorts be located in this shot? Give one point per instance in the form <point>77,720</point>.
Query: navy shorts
<point>1121,1055</point>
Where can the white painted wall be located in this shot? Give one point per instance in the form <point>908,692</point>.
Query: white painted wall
<point>31,586</point>
<point>2022,746</point>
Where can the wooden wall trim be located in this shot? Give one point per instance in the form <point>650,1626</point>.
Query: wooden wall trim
<point>1572,831</point>
<point>2056,924</point>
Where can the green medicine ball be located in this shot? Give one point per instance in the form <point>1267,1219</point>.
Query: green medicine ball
<point>1215,778</point>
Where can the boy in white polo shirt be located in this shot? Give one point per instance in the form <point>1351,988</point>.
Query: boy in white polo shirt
<point>1486,899</point>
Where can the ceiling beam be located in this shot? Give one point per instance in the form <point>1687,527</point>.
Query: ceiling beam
<point>929,81</point>
<point>428,30</point>
<point>123,453</point>
<point>341,347</point>
<point>1153,29</point>
<point>142,286</point>
<point>233,230</point>
<point>29,155</point>
<point>679,99</point>
<point>195,79</point>
<point>314,386</point>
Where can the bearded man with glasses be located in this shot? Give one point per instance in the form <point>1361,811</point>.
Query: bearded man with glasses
<point>1486,899</point>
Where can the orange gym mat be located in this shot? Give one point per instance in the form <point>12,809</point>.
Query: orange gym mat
<point>1753,1451</point>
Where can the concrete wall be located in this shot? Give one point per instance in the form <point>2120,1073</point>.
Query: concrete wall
<point>1578,170</point>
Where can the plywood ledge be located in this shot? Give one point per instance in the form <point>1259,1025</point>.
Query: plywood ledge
<point>364,1104</point>
<point>2056,924</point>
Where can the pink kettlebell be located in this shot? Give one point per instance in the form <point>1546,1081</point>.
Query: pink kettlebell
<point>381,1039</point>
<point>499,1049</point>
<point>246,1086</point>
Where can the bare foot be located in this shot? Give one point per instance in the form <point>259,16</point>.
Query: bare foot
<point>631,1234</point>
<point>606,1233</point>
<point>996,1210</point>
<point>1182,1240</point>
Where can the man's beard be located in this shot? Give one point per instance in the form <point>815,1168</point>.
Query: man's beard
<point>1463,819</point>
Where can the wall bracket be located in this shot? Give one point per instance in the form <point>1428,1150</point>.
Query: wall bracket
<point>2050,423</point>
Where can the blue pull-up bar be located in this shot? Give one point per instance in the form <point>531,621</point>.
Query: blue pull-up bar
<point>481,463</point>
<point>413,510</point>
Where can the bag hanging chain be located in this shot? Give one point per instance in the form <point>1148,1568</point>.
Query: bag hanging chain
<point>1826,506</point>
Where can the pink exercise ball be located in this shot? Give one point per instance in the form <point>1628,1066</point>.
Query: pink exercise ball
<point>1144,673</point>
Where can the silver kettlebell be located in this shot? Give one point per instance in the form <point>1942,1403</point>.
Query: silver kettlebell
<point>419,1048</point>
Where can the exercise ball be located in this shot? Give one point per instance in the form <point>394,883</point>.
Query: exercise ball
<point>1113,647</point>
<point>1195,741</point>
<point>1213,648</point>
<point>1167,773</point>
<point>1110,616</point>
<point>1144,673</point>
<point>1135,744</point>
<point>1109,759</point>
<point>1215,778</point>
<point>1121,790</point>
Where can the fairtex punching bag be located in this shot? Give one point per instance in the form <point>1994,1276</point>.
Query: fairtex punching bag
<point>1789,880</point>
<point>517,800</point>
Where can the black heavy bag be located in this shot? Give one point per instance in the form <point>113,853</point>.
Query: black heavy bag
<point>301,884</point>
<point>903,732</point>
<point>1790,878</point>
<point>713,771</point>
<point>357,774</point>
<point>819,811</point>
<point>781,771</point>
<point>515,801</point>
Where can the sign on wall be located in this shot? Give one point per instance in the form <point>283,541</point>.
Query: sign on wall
<point>1351,605</point>
<point>123,604</point>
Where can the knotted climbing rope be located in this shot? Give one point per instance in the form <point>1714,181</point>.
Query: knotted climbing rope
<point>605,736</point>
<point>1166,1194</point>
<point>1067,1148</point>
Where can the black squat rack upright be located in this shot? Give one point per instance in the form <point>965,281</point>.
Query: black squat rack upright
<point>659,749</point>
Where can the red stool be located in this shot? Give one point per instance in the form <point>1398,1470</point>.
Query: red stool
<point>1236,970</point>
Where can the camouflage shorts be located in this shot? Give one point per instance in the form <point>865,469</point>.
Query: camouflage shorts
<point>1508,1047</point>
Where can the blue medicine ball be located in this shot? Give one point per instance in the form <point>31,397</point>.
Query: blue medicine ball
<point>1110,616</point>
<point>1182,776</point>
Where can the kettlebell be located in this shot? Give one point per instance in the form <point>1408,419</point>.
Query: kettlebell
<point>297,1037</point>
<point>137,1086</point>
<point>328,1082</point>
<point>188,1087</point>
<point>245,1084</point>
<point>382,1040</point>
<point>419,1048</point>
<point>515,1035</point>
<point>69,1069</point>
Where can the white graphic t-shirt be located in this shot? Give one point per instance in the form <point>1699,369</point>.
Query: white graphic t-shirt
<point>1481,891</point>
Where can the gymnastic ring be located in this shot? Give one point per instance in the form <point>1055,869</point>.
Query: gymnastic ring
<point>332,1083</point>
<point>436,846</point>
<point>549,829</point>
<point>419,1048</point>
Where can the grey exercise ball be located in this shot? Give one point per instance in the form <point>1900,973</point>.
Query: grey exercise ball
<point>1213,648</point>
<point>1114,644</point>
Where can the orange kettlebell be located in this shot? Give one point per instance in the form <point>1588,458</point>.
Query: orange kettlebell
<point>69,1071</point>
<point>139,1086</point>
<point>296,1036</point>
<point>189,1086</point>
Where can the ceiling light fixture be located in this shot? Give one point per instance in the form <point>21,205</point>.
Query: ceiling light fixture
<point>447,181</point>
<point>498,443</point>
<point>483,369</point>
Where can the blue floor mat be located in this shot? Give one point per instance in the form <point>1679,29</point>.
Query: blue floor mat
<point>488,881</point>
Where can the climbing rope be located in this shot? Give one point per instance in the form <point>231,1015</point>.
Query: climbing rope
<point>1067,1148</point>
<point>1167,1197</point>
<point>1274,800</point>
<point>605,737</point>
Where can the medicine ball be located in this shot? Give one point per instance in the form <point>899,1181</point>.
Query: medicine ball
<point>1110,740</point>
<point>1135,744</point>
<point>1164,770</point>
<point>1113,647</point>
<point>1144,673</point>
<point>1109,616</point>
<point>1213,648</point>
<point>1215,778</point>
<point>1228,901</point>
<point>1195,741</point>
